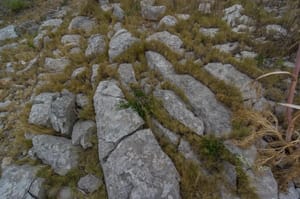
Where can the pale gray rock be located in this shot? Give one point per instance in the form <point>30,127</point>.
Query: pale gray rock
<point>29,27</point>
<point>151,12</point>
<point>32,63</point>
<point>205,7</point>
<point>230,174</point>
<point>276,31</point>
<point>78,71</point>
<point>178,110</point>
<point>71,40</point>
<point>186,150</point>
<point>227,47</point>
<point>230,75</point>
<point>63,114</point>
<point>209,32</point>
<point>16,180</point>
<point>94,76</point>
<point>138,168</point>
<point>51,23</point>
<point>159,63</point>
<point>89,183</point>
<point>8,32</point>
<point>113,122</point>
<point>82,100</point>
<point>291,192</point>
<point>233,16</point>
<point>170,40</point>
<point>96,46</point>
<point>58,152</point>
<point>167,21</point>
<point>126,74</point>
<point>75,51</point>
<point>203,101</point>
<point>120,42</point>
<point>288,64</point>
<point>118,12</point>
<point>264,183</point>
<point>82,23</point>
<point>103,2</point>
<point>38,40</point>
<point>65,193</point>
<point>41,108</point>
<point>8,47</point>
<point>183,17</point>
<point>82,133</point>
<point>36,189</point>
<point>248,54</point>
<point>4,105</point>
<point>160,129</point>
<point>56,65</point>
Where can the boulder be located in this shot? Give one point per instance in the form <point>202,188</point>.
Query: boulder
<point>120,42</point>
<point>118,12</point>
<point>82,133</point>
<point>63,115</point>
<point>51,23</point>
<point>96,46</point>
<point>89,183</point>
<point>167,21</point>
<point>151,12</point>
<point>126,74</point>
<point>178,110</point>
<point>138,168</point>
<point>18,182</point>
<point>82,24</point>
<point>58,152</point>
<point>159,63</point>
<point>56,65</point>
<point>170,40</point>
<point>41,108</point>
<point>113,122</point>
<point>8,32</point>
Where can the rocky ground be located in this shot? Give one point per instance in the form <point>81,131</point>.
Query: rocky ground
<point>141,99</point>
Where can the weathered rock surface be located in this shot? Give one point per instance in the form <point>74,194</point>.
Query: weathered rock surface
<point>120,42</point>
<point>113,123</point>
<point>230,75</point>
<point>71,40</point>
<point>82,23</point>
<point>96,45</point>
<point>82,133</point>
<point>133,162</point>
<point>138,168</point>
<point>178,110</point>
<point>290,193</point>
<point>41,108</point>
<point>276,31</point>
<point>89,183</point>
<point>160,129</point>
<point>209,32</point>
<point>65,193</point>
<point>215,116</point>
<point>8,32</point>
<point>63,114</point>
<point>170,40</point>
<point>51,23</point>
<point>56,65</point>
<point>228,47</point>
<point>126,74</point>
<point>16,181</point>
<point>118,12</point>
<point>58,152</point>
<point>151,12</point>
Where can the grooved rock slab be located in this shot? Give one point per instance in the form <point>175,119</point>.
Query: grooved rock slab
<point>82,23</point>
<point>96,45</point>
<point>63,114</point>
<point>8,32</point>
<point>58,152</point>
<point>230,75</point>
<point>113,123</point>
<point>170,40</point>
<point>216,118</point>
<point>178,110</point>
<point>138,168</point>
<point>16,181</point>
<point>120,42</point>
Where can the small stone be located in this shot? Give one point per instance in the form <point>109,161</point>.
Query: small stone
<point>228,47</point>
<point>151,12</point>
<point>276,31</point>
<point>71,40</point>
<point>183,16</point>
<point>205,7</point>
<point>89,183</point>
<point>82,133</point>
<point>94,75</point>
<point>209,32</point>
<point>82,23</point>
<point>8,32</point>
<point>96,45</point>
<point>82,100</point>
<point>51,23</point>
<point>118,12</point>
<point>126,74</point>
<point>167,21</point>
<point>56,65</point>
<point>65,193</point>
<point>78,71</point>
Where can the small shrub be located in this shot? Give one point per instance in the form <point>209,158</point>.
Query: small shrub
<point>16,5</point>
